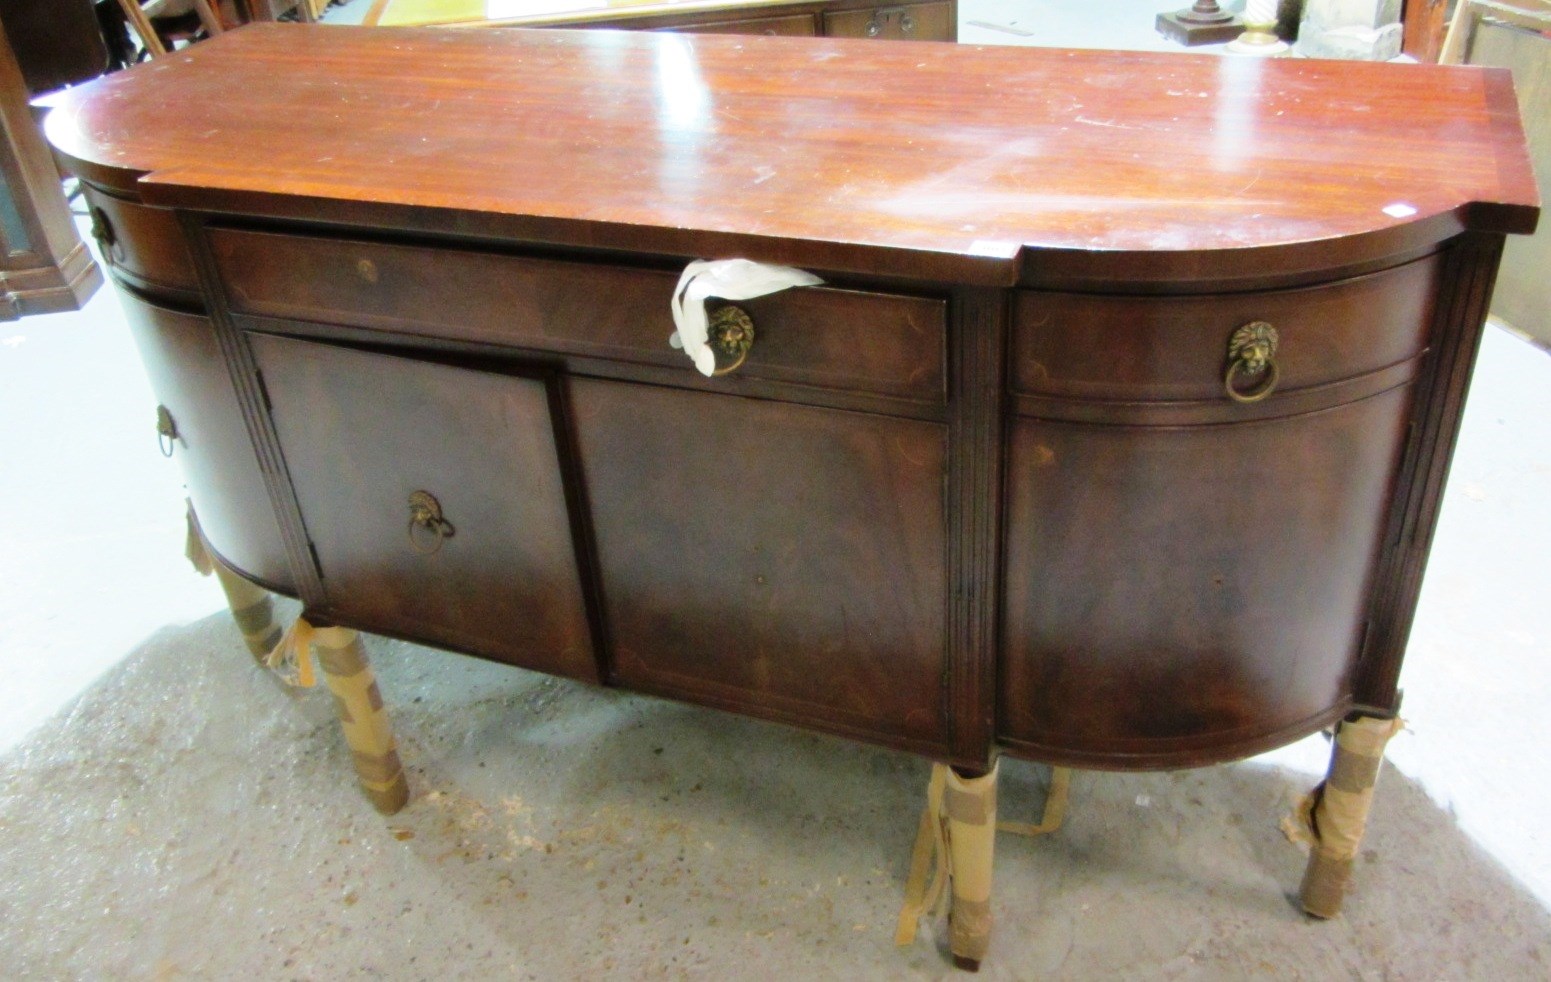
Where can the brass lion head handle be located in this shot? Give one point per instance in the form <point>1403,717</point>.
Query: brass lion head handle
<point>1251,354</point>
<point>427,528</point>
<point>107,239</point>
<point>731,332</point>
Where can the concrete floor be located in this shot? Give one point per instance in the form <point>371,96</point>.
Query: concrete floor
<point>168,811</point>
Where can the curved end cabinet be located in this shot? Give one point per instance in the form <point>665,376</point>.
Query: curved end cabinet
<point>1114,437</point>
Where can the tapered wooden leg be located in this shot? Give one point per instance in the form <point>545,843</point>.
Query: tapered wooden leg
<point>970,806</point>
<point>252,608</point>
<point>365,722</point>
<point>251,605</point>
<point>1336,814</point>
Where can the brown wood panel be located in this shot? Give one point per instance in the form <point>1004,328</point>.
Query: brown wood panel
<point>143,245</point>
<point>974,497</point>
<point>941,161</point>
<point>1175,595</point>
<point>839,339</point>
<point>1288,402</point>
<point>894,22</point>
<point>361,432</point>
<point>1153,349</point>
<point>790,25</point>
<point>1470,268</point>
<point>783,561</point>
<point>189,377</point>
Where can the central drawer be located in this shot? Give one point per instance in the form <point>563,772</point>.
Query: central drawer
<point>887,344</point>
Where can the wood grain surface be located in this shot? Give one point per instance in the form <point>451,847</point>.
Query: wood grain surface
<point>819,337</point>
<point>1182,594</point>
<point>779,560</point>
<point>940,161</point>
<point>363,431</point>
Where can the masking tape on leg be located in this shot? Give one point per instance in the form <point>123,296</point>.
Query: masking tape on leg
<point>970,805</point>
<point>1334,817</point>
<point>362,717</point>
<point>252,608</point>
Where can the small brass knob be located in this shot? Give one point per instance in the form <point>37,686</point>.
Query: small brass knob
<point>166,431</point>
<point>1252,354</point>
<point>427,528</point>
<point>907,24</point>
<point>874,29</point>
<point>732,333</point>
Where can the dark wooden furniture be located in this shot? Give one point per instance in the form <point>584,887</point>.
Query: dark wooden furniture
<point>914,20</point>
<point>1516,35</point>
<point>56,42</point>
<point>984,491</point>
<point>44,265</point>
<point>1425,23</point>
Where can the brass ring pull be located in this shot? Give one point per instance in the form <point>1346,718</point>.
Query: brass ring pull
<point>729,369</point>
<point>1252,352</point>
<point>732,333</point>
<point>107,239</point>
<point>166,431</point>
<point>425,514</point>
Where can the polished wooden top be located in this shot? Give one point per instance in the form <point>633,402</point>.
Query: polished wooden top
<point>937,161</point>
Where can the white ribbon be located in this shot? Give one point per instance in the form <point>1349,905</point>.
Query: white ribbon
<point>729,279</point>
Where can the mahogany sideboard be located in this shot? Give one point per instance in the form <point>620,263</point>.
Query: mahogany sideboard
<point>1114,438</point>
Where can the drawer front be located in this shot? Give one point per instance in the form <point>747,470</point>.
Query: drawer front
<point>1129,349</point>
<point>836,339</point>
<point>365,435</point>
<point>1182,595</point>
<point>910,22</point>
<point>796,25</point>
<point>778,560</point>
<point>212,445</point>
<point>144,245</point>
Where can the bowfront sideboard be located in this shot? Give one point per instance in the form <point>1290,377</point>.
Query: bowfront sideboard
<point>1114,437</point>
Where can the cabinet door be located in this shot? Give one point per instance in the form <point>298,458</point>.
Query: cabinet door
<point>779,560</point>
<point>1179,595</point>
<point>190,380</point>
<point>364,433</point>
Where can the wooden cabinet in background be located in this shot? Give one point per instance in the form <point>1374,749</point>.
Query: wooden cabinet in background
<point>934,21</point>
<point>905,22</point>
<point>44,265</point>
